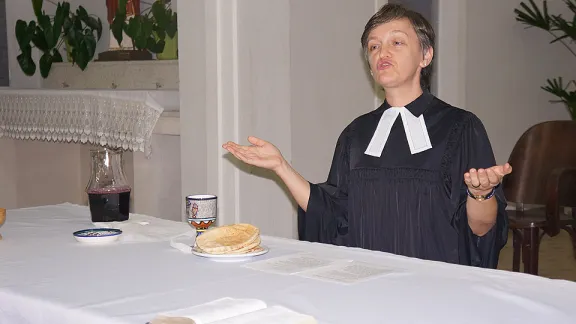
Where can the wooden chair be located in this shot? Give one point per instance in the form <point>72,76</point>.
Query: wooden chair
<point>543,174</point>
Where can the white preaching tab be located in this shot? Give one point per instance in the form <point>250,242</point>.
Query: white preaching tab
<point>414,127</point>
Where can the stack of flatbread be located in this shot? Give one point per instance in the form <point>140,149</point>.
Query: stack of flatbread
<point>230,239</point>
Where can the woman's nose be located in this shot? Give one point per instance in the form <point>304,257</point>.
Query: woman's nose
<point>384,52</point>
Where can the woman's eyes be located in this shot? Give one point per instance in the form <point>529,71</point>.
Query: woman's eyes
<point>377,46</point>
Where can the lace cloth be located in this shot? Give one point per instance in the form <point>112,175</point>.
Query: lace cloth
<point>116,119</point>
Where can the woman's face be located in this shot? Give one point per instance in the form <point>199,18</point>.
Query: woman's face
<point>395,55</point>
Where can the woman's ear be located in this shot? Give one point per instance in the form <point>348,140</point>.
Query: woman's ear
<point>428,56</point>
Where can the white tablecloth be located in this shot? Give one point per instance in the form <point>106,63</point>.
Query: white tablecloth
<point>43,268</point>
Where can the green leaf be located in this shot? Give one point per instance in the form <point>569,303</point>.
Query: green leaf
<point>73,37</point>
<point>45,64</point>
<point>90,43</point>
<point>82,13</point>
<point>140,42</point>
<point>67,24</point>
<point>147,27</point>
<point>39,40</point>
<point>133,27</point>
<point>155,47</point>
<point>56,56</point>
<point>44,22</point>
<point>58,22</point>
<point>99,28</point>
<point>81,57</point>
<point>48,31</point>
<point>159,14</point>
<point>117,27</point>
<point>26,62</point>
<point>32,27</point>
<point>142,28</point>
<point>66,8</point>
<point>22,35</point>
<point>94,24</point>
<point>77,22</point>
<point>160,33</point>
<point>37,6</point>
<point>571,4</point>
<point>172,27</point>
<point>533,16</point>
<point>564,26</point>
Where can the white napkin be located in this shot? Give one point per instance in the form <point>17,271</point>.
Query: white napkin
<point>414,128</point>
<point>143,228</point>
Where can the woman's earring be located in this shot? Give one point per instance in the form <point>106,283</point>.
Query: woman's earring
<point>371,72</point>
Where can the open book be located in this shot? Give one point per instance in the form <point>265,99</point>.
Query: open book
<point>234,311</point>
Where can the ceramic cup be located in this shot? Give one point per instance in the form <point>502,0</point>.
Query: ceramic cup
<point>201,224</point>
<point>201,211</point>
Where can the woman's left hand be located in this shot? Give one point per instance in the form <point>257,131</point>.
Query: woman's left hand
<point>481,181</point>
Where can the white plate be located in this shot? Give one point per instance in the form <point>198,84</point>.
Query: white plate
<point>230,257</point>
<point>97,235</point>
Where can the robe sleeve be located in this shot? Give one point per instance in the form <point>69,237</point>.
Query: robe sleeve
<point>475,151</point>
<point>326,219</point>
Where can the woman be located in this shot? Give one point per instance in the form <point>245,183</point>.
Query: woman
<point>416,177</point>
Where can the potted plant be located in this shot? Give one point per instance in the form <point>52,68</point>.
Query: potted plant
<point>166,28</point>
<point>78,30</point>
<point>148,31</point>
<point>562,30</point>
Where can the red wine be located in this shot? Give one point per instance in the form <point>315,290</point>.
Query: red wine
<point>109,205</point>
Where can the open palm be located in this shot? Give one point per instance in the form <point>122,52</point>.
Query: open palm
<point>261,153</point>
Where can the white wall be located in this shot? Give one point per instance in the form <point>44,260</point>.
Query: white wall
<point>8,197</point>
<point>276,69</point>
<point>506,65</point>
<point>491,65</point>
<point>330,83</point>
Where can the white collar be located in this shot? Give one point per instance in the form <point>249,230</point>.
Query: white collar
<point>414,127</point>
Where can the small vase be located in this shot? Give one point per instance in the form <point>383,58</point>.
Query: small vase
<point>170,49</point>
<point>108,190</point>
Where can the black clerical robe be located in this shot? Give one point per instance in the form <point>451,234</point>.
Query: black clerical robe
<point>404,203</point>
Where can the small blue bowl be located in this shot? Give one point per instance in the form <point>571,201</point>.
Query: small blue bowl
<point>97,235</point>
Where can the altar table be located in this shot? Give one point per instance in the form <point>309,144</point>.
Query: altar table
<point>47,276</point>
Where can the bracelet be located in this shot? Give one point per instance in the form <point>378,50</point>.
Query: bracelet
<point>481,197</point>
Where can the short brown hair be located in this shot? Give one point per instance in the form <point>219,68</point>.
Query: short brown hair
<point>422,27</point>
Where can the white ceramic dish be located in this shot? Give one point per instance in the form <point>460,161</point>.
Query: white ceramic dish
<point>97,235</point>
<point>230,257</point>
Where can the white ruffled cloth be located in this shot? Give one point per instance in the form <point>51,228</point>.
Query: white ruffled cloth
<point>120,119</point>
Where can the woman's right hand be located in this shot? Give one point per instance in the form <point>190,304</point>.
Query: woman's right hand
<point>261,153</point>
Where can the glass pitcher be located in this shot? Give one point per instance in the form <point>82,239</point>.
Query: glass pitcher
<point>108,189</point>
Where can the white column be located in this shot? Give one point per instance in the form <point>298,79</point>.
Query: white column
<point>193,71</point>
<point>265,104</point>
<point>450,75</point>
<point>235,82</point>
